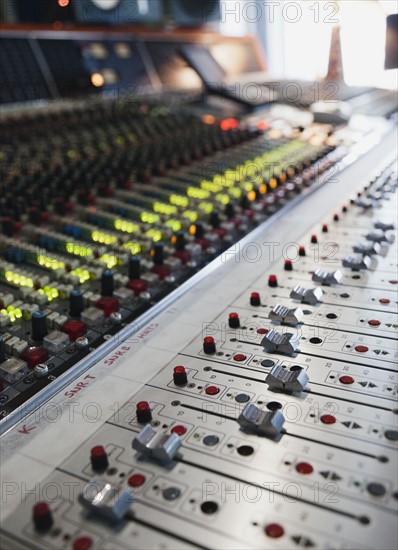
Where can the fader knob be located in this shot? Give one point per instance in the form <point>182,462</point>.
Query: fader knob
<point>39,325</point>
<point>276,342</point>
<point>285,315</point>
<point>180,377</point>
<point>309,296</point>
<point>266,423</point>
<point>42,516</point>
<point>357,262</point>
<point>144,413</point>
<point>327,278</point>
<point>384,226</point>
<point>76,303</point>
<point>107,283</point>
<point>367,249</point>
<point>99,458</point>
<point>106,499</point>
<point>159,446</point>
<point>282,379</point>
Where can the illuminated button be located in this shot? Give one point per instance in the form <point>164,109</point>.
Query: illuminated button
<point>384,301</point>
<point>314,239</point>
<point>262,331</point>
<point>328,419</point>
<point>99,458</point>
<point>233,320</point>
<point>136,480</point>
<point>302,251</point>
<point>255,299</point>
<point>74,329</point>
<point>288,265</point>
<point>272,281</point>
<point>82,543</point>
<point>209,345</point>
<point>239,357</point>
<point>304,468</point>
<point>34,356</point>
<point>179,430</point>
<point>143,411</point>
<point>346,379</point>
<point>42,516</point>
<point>137,286</point>
<point>274,530</point>
<point>361,349</point>
<point>374,322</point>
<point>180,376</point>
<point>212,390</point>
<point>108,304</point>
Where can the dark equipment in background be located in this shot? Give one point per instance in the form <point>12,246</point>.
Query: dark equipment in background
<point>391,61</point>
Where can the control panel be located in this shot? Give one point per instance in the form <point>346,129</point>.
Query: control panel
<point>254,407</point>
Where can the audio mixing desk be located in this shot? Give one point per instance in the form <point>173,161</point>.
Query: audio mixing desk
<point>253,407</point>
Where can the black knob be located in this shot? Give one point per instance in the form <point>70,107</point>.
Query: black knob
<point>134,268</point>
<point>199,230</point>
<point>2,350</point>
<point>76,303</point>
<point>158,254</point>
<point>180,240</point>
<point>39,325</point>
<point>107,283</point>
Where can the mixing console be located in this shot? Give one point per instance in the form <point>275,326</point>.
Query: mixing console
<point>255,406</point>
<point>101,224</point>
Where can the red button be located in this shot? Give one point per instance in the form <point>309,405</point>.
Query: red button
<point>161,271</point>
<point>393,282</point>
<point>274,530</point>
<point>239,357</point>
<point>361,349</point>
<point>304,468</point>
<point>328,419</point>
<point>272,281</point>
<point>74,329</point>
<point>82,543</point>
<point>137,286</point>
<point>34,356</point>
<point>262,331</point>
<point>374,322</point>
<point>212,390</point>
<point>346,379</point>
<point>108,304</point>
<point>136,480</point>
<point>384,301</point>
<point>179,430</point>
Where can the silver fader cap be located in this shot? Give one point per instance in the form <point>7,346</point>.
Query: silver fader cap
<point>306,295</point>
<point>384,226</point>
<point>160,446</point>
<point>106,499</point>
<point>327,277</point>
<point>276,342</point>
<point>367,249</point>
<point>286,315</point>
<point>378,236</point>
<point>266,423</point>
<point>357,262</point>
<point>287,380</point>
